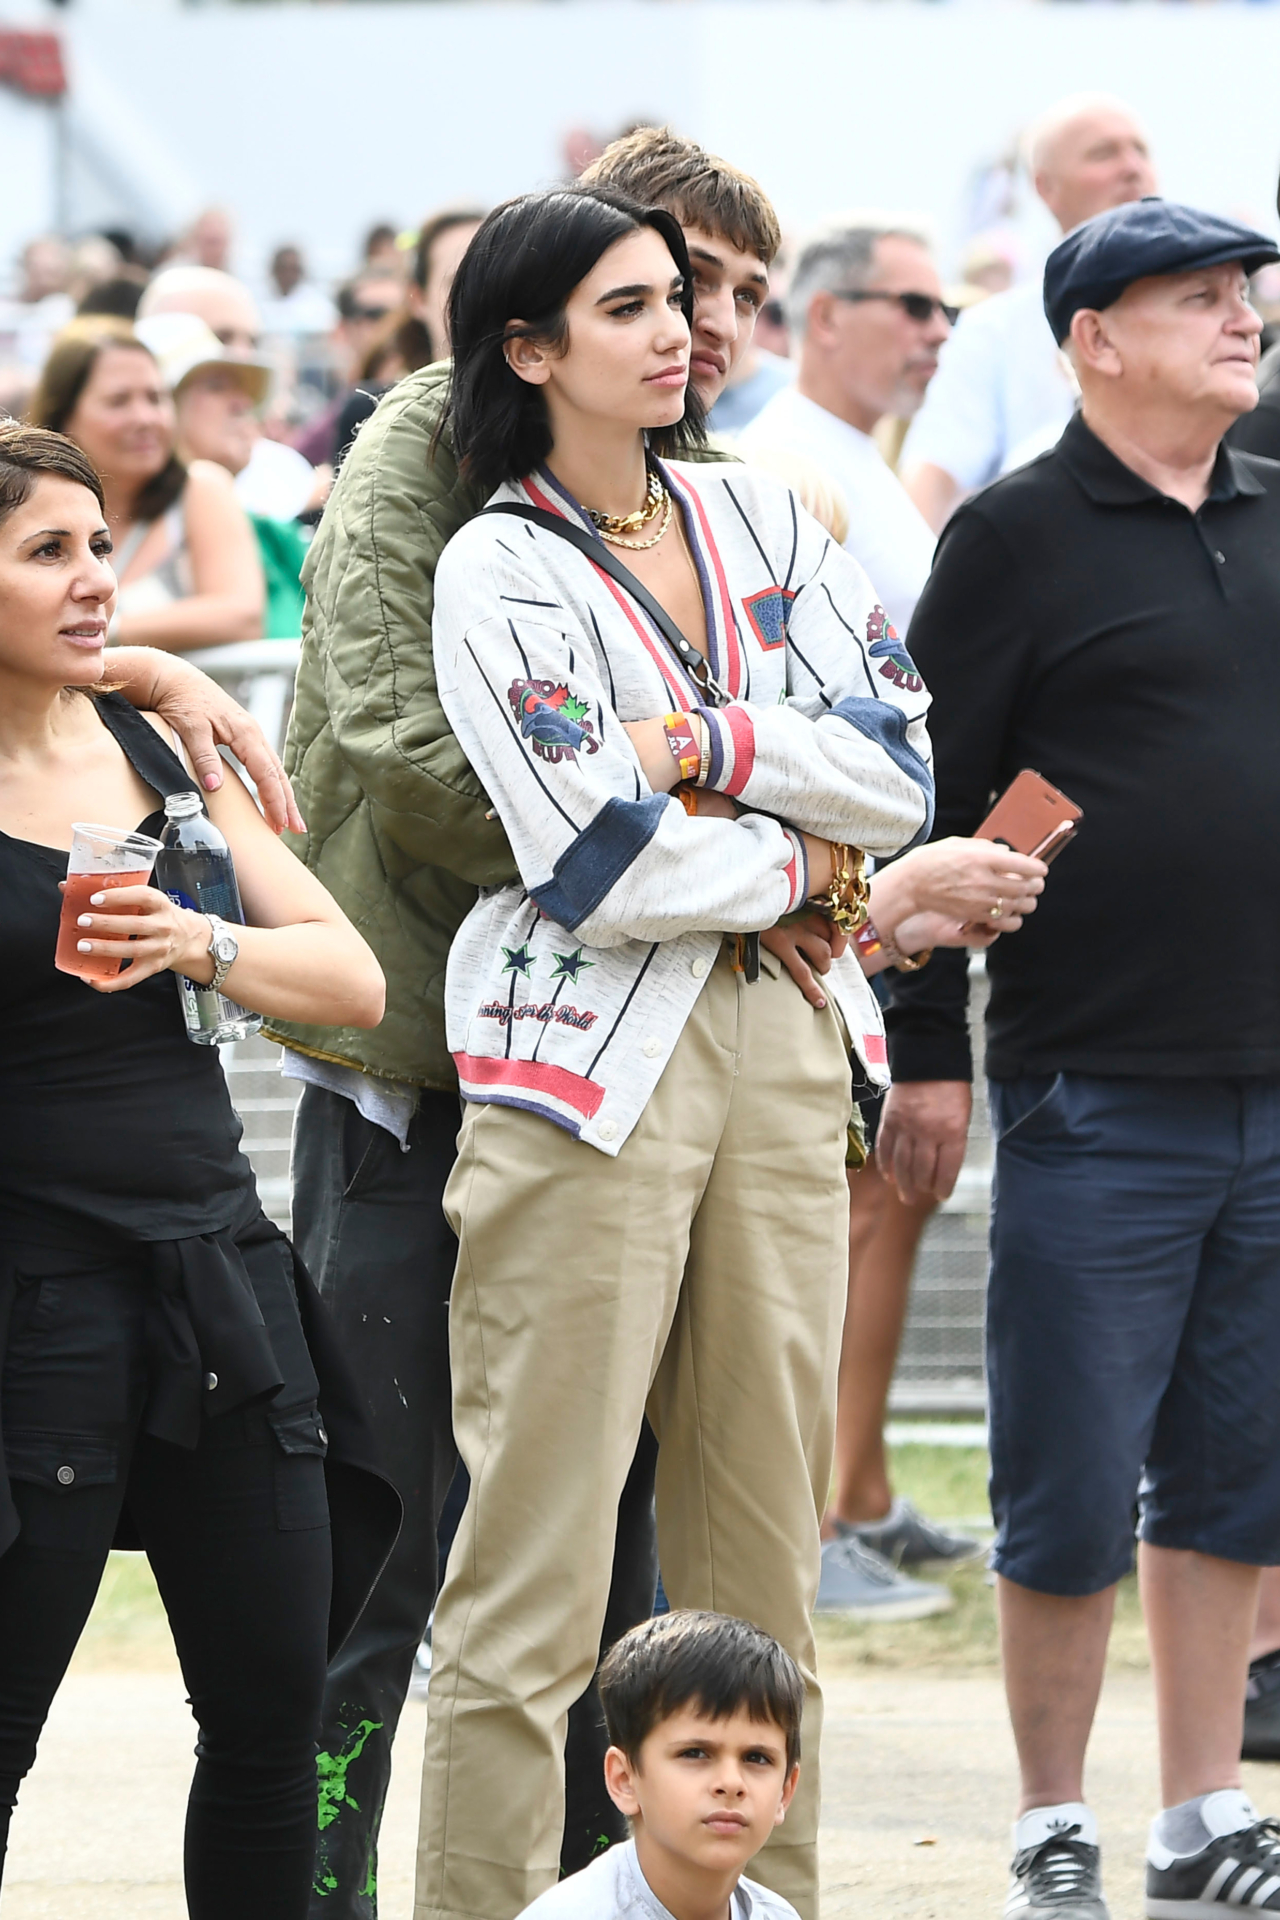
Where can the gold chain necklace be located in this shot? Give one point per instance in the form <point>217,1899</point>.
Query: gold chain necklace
<point>638,546</point>
<point>610,523</point>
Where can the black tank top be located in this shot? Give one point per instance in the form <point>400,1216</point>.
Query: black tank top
<point>107,1111</point>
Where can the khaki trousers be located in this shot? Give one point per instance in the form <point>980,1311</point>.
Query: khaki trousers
<point>702,1272</point>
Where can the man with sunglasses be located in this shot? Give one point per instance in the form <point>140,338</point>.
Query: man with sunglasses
<point>867,312</point>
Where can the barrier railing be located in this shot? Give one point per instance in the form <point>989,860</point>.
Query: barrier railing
<point>259,674</point>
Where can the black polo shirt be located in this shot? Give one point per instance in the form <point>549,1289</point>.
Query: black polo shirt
<point>1079,622</point>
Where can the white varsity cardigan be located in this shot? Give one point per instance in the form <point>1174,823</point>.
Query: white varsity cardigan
<point>567,994</point>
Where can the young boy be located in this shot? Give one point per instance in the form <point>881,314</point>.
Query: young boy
<point>703,1715</point>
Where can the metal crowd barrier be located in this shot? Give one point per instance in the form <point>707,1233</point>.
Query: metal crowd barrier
<point>260,675</point>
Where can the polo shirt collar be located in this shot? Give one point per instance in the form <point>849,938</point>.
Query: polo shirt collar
<point>1108,481</point>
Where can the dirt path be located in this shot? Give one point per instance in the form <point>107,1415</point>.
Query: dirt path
<point>906,1757</point>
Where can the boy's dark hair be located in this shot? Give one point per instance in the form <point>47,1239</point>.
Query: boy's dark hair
<point>708,1661</point>
<point>523,264</point>
<point>660,168</point>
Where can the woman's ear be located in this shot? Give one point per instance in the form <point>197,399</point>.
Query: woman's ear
<point>527,358</point>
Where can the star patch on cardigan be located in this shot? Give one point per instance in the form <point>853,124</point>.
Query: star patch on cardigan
<point>884,644</point>
<point>519,960</point>
<point>569,965</point>
<point>766,613</point>
<point>552,719</point>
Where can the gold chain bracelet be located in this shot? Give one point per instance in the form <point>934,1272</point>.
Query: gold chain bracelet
<point>845,904</point>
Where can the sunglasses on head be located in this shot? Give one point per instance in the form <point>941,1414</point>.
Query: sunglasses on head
<point>916,306</point>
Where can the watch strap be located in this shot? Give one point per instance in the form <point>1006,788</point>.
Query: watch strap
<point>221,968</point>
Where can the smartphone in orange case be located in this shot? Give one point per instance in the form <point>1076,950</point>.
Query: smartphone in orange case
<point>1032,817</point>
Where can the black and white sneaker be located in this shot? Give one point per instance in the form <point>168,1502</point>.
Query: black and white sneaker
<point>1059,1877</point>
<point>1235,1872</point>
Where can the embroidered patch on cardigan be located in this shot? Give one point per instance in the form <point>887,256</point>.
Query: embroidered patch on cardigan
<point>553,719</point>
<point>885,645</point>
<point>766,613</point>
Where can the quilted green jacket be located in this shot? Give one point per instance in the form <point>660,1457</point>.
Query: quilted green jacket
<point>396,825</point>
<point>396,819</point>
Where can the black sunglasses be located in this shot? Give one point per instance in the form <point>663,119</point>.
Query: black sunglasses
<point>916,306</point>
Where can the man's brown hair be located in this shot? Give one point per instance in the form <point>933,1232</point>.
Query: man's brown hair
<point>660,168</point>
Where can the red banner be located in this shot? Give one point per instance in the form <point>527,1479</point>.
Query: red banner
<point>32,63</point>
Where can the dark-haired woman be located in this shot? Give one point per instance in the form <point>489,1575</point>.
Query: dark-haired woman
<point>156,1384</point>
<point>184,550</point>
<point>650,1193</point>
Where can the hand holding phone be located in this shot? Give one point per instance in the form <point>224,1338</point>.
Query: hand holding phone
<point>1032,817</point>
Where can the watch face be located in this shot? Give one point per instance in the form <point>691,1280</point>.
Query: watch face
<point>225,949</point>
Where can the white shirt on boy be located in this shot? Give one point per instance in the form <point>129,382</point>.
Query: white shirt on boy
<point>614,1888</point>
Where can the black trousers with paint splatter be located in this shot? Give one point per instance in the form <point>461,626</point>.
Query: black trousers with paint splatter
<point>245,1582</point>
<point>368,1222</point>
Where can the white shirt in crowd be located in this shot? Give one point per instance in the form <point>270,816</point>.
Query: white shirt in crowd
<point>1002,392</point>
<point>613,1888</point>
<point>277,482</point>
<point>888,536</point>
<point>739,404</point>
<point>307,309</point>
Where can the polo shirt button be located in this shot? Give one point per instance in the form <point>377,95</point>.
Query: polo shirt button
<point>210,1381</point>
<point>607,1130</point>
<point>322,1436</point>
<point>1221,559</point>
<point>651,1049</point>
<point>699,968</point>
<point>65,1476</point>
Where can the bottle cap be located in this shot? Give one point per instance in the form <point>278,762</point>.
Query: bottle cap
<point>182,806</point>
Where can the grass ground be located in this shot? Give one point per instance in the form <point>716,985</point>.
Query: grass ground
<point>127,1631</point>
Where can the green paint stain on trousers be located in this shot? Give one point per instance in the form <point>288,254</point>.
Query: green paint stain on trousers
<point>331,1773</point>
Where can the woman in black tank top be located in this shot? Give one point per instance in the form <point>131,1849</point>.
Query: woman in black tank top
<point>166,1378</point>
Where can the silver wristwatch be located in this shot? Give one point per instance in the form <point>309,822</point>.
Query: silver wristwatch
<point>224,947</point>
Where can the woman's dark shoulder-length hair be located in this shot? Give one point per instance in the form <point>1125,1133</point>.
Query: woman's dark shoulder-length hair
<point>524,263</point>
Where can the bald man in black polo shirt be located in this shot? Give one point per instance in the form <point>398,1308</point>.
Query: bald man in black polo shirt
<point>1110,615</point>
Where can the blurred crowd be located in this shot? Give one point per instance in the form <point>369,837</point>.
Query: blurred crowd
<point>220,408</point>
<point>175,371</point>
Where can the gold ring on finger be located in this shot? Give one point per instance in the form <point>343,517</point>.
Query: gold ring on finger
<point>997,912</point>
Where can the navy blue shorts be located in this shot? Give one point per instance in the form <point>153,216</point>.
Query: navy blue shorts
<point>1133,1324</point>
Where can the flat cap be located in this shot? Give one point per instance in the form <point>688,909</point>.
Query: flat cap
<point>1094,264</point>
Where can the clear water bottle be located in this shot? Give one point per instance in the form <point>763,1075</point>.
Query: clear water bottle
<point>194,867</point>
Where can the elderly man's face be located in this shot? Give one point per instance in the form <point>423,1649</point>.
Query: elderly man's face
<point>1190,339</point>
<point>1099,160</point>
<point>227,307</point>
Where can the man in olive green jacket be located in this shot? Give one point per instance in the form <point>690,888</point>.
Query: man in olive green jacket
<point>400,832</point>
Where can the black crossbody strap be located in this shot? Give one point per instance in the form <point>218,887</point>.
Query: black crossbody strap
<point>686,653</point>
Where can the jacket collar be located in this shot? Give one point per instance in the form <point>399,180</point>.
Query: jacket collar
<point>1107,480</point>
